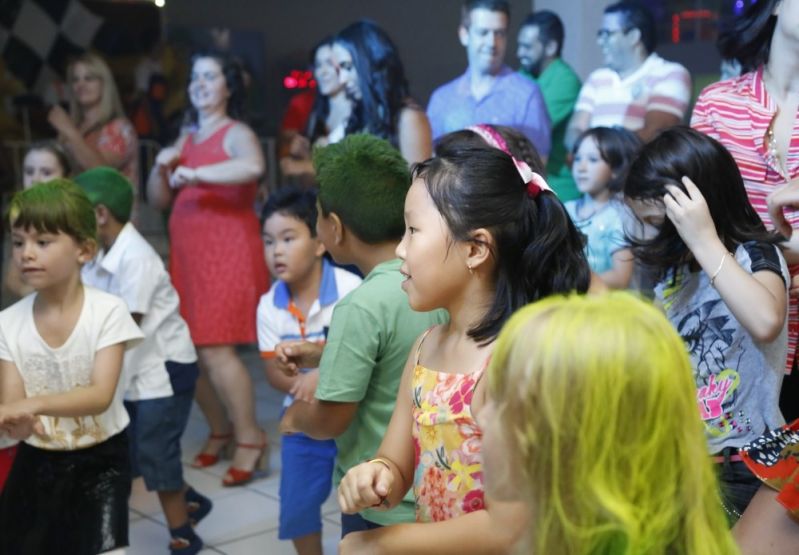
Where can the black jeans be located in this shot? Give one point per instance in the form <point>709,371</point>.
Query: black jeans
<point>738,486</point>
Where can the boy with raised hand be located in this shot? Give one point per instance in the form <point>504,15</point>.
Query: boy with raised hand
<point>299,306</point>
<point>363,181</point>
<point>162,370</point>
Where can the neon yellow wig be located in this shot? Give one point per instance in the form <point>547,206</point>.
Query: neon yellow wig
<point>596,397</point>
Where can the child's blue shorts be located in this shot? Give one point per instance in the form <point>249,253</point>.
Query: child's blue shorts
<point>306,476</point>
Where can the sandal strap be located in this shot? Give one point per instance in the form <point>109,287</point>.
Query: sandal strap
<point>221,436</point>
<point>257,447</point>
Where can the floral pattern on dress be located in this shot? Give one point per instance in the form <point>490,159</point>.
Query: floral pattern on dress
<point>448,481</point>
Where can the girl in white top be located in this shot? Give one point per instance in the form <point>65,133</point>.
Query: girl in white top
<point>61,352</point>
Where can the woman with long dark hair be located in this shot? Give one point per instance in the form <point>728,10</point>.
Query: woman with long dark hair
<point>374,77</point>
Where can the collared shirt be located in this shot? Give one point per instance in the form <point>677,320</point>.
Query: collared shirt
<point>278,319</point>
<point>560,87</point>
<point>512,100</point>
<point>132,270</point>
<point>658,85</point>
<point>737,113</point>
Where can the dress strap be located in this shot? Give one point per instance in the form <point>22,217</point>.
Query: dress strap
<point>421,342</point>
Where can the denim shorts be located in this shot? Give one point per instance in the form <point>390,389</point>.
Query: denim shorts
<point>305,481</point>
<point>156,426</point>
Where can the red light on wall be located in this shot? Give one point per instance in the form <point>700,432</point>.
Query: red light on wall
<point>299,79</point>
<point>675,29</point>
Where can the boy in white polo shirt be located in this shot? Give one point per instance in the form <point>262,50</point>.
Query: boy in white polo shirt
<point>299,306</point>
<point>162,370</point>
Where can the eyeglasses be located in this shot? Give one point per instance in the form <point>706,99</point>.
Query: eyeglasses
<point>605,34</point>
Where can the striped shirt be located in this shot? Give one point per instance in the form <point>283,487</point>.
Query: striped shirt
<point>657,85</point>
<point>737,113</point>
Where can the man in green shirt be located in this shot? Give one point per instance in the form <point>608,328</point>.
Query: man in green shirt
<point>363,181</point>
<point>540,43</point>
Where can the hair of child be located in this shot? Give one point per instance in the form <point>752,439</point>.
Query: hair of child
<point>109,187</point>
<point>54,206</point>
<point>54,148</point>
<point>364,180</point>
<point>536,248</point>
<point>617,146</point>
<point>682,151</point>
<point>612,459</point>
<point>292,201</point>
<point>517,144</point>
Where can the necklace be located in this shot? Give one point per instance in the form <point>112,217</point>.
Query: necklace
<point>773,149</point>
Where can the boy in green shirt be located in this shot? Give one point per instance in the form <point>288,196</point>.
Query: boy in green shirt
<point>363,181</point>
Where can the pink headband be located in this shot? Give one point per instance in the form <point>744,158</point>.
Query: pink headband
<point>535,183</point>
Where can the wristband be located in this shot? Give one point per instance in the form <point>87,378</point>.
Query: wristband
<point>382,461</point>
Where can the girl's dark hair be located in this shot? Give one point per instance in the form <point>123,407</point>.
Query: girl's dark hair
<point>537,249</point>
<point>317,121</point>
<point>748,37</point>
<point>233,72</point>
<point>678,152</point>
<point>384,88</point>
<point>518,144</point>
<point>54,148</point>
<point>617,147</point>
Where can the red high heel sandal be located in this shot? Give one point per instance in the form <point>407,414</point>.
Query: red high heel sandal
<point>238,477</point>
<point>225,451</point>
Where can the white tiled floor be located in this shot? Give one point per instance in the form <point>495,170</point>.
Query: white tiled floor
<point>244,519</point>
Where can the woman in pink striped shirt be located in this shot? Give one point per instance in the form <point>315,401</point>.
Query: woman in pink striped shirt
<point>755,117</point>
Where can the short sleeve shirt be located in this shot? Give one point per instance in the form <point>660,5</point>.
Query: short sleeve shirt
<point>513,100</point>
<point>132,270</point>
<point>278,319</point>
<point>604,229</point>
<point>104,321</point>
<point>738,379</point>
<point>371,334</point>
<point>737,113</point>
<point>657,85</point>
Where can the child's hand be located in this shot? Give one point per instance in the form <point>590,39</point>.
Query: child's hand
<point>689,214</point>
<point>290,356</point>
<point>305,386</point>
<point>365,485</point>
<point>18,422</point>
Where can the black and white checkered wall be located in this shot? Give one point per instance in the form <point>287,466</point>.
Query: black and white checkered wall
<point>37,38</point>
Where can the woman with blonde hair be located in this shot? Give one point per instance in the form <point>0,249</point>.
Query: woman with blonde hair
<point>593,421</point>
<point>96,131</point>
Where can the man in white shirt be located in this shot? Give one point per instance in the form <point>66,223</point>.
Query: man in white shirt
<point>637,90</point>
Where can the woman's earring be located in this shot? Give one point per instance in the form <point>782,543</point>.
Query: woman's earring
<point>471,271</point>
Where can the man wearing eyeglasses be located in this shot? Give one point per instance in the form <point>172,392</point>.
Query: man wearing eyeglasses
<point>637,89</point>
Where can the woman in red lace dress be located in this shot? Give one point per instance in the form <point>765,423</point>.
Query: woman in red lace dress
<point>216,261</point>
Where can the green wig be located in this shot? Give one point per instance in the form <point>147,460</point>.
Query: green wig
<point>364,180</point>
<point>597,400</point>
<point>52,207</point>
<point>107,186</point>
